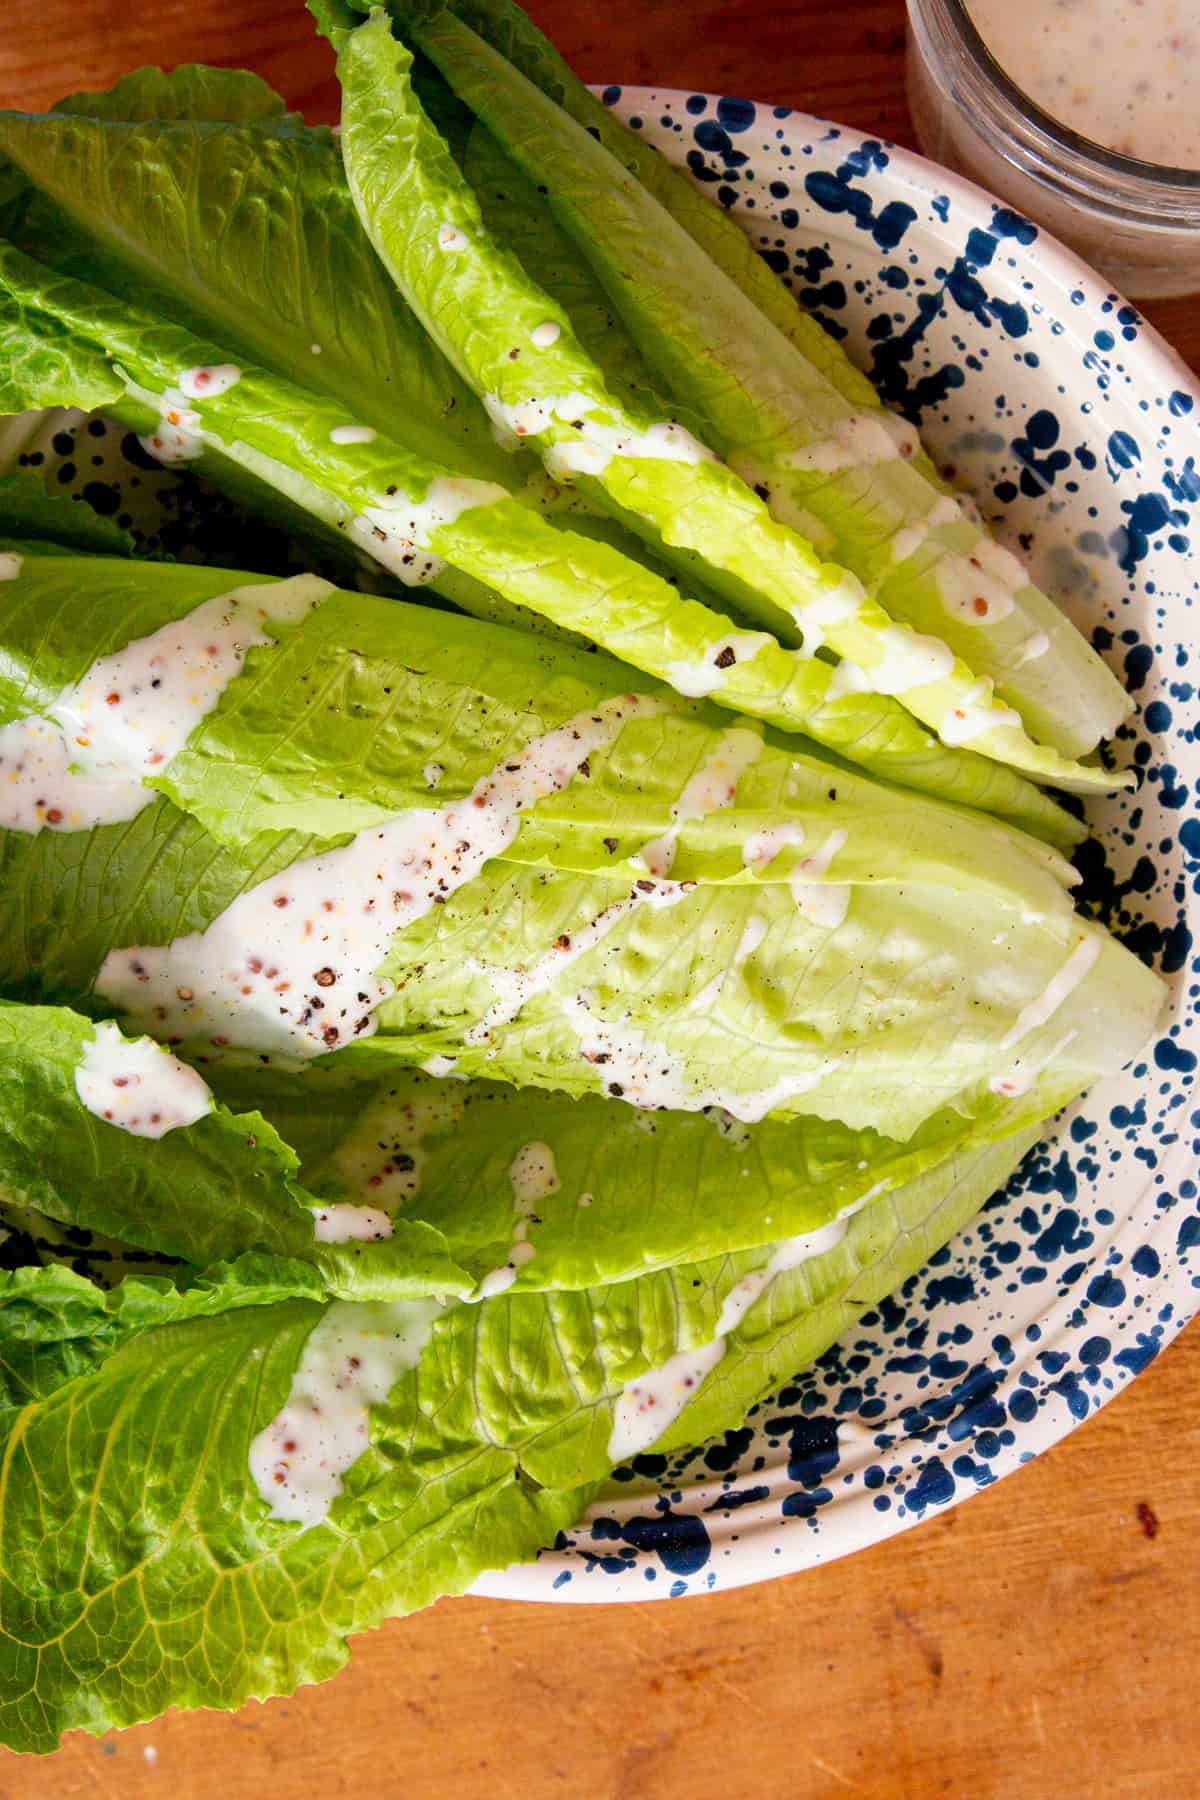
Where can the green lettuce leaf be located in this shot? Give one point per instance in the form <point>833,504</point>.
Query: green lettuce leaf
<point>804,1310</point>
<point>614,1194</point>
<point>206,1191</point>
<point>513,33</point>
<point>190,91</point>
<point>625,1192</point>
<point>145,1571</point>
<point>70,896</point>
<point>409,514</point>
<point>57,1324</point>
<point>30,515</point>
<point>480,305</point>
<point>518,217</point>
<point>181,1590</point>
<point>190,191</point>
<point>764,404</point>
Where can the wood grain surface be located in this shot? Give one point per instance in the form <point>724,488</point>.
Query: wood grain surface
<point>1041,1641</point>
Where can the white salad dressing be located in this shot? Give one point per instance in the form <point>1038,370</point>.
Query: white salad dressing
<point>534,1178</point>
<point>1022,1075</point>
<point>1035,648</point>
<point>649,1403</point>
<point>858,441</point>
<point>975,713</point>
<point>337,1222</point>
<point>84,761</point>
<point>982,587</point>
<point>384,1157</point>
<point>353,434</point>
<point>351,1361</point>
<point>695,679</point>
<point>968,593</point>
<point>544,335</point>
<point>396,531</point>
<point>711,789</point>
<point>289,966</point>
<point>834,604</point>
<point>1001,564</point>
<point>514,988</point>
<point>910,659</point>
<point>1057,990</point>
<point>213,378</point>
<point>822,902</point>
<point>762,847</point>
<point>180,435</point>
<point>594,442</point>
<point>1125,73</point>
<point>647,1074</point>
<point>848,678</point>
<point>450,238</point>
<point>753,933</point>
<point>908,540</point>
<point>138,1086</point>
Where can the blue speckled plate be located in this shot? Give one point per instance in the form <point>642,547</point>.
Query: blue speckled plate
<point>1078,431</point>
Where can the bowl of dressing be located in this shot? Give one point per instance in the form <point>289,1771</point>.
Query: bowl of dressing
<point>1085,114</point>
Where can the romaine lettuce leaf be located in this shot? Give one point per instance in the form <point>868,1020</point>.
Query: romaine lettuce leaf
<point>190,91</point>
<point>513,33</point>
<point>408,689</point>
<point>29,514</point>
<point>206,1191</point>
<point>70,896</point>
<point>796,897</point>
<point>898,1011</point>
<point>804,1310</point>
<point>623,1193</point>
<point>518,217</point>
<point>215,195</point>
<point>481,307</point>
<point>58,1323</point>
<point>458,1174</point>
<point>145,1571</point>
<point>781,422</point>
<point>410,515</point>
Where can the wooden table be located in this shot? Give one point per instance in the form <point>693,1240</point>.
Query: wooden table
<point>1042,1641</point>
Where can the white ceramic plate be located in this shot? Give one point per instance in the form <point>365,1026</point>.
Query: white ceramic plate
<point>1077,430</point>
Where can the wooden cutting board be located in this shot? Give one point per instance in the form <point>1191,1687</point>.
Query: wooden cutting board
<point>1041,1641</point>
